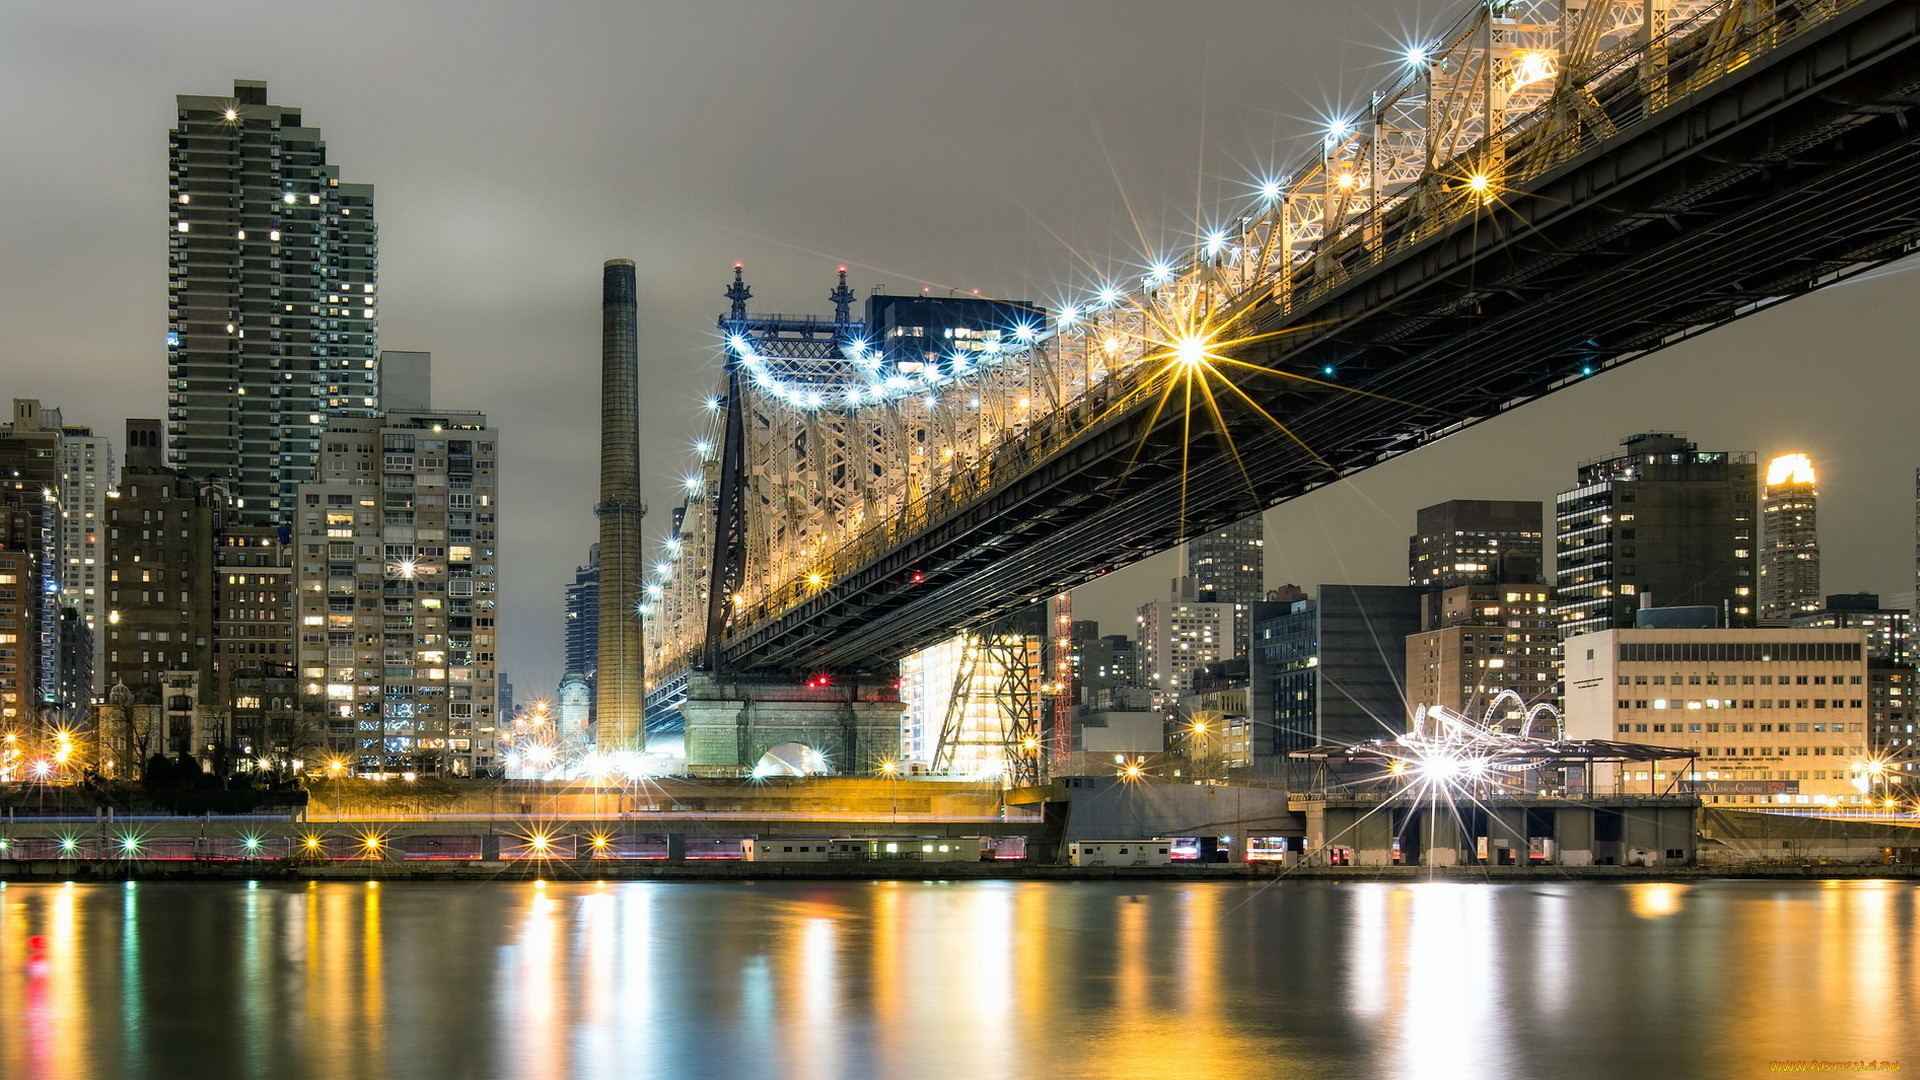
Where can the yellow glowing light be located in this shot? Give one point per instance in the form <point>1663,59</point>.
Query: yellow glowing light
<point>1346,180</point>
<point>1790,469</point>
<point>539,843</point>
<point>1651,901</point>
<point>233,114</point>
<point>1397,768</point>
<point>816,579</point>
<point>600,841</point>
<point>1532,66</point>
<point>1479,182</point>
<point>889,767</point>
<point>1190,351</point>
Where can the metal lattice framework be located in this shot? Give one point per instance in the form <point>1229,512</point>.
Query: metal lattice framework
<point>823,452</point>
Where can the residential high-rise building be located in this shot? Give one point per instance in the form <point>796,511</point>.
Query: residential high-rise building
<point>398,590</point>
<point>1789,570</point>
<point>30,488</point>
<point>1181,634</point>
<point>20,614</point>
<point>1663,524</point>
<point>85,468</point>
<point>1228,566</point>
<point>583,621</point>
<point>1481,640</point>
<point>162,529</point>
<point>273,271</point>
<point>1471,541</point>
<point>1765,716</point>
<point>1331,669</point>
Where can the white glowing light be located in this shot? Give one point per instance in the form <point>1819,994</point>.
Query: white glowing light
<point>1190,351</point>
<point>1270,189</point>
<point>713,404</point>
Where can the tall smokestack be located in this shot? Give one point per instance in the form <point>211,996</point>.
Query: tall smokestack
<point>620,694</point>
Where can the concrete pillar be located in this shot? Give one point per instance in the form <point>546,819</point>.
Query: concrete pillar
<point>1573,834</point>
<point>1440,838</point>
<point>490,848</point>
<point>1371,837</point>
<point>676,847</point>
<point>1508,825</point>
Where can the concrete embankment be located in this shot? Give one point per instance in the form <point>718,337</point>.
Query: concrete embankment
<point>1004,870</point>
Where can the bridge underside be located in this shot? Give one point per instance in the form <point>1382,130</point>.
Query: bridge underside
<point>1789,174</point>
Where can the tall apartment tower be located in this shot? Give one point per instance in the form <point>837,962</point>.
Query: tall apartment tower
<point>84,467</point>
<point>1180,635</point>
<point>1476,542</point>
<point>398,588</point>
<point>620,685</point>
<point>1229,563</point>
<point>1789,544</point>
<point>1663,524</point>
<point>272,301</point>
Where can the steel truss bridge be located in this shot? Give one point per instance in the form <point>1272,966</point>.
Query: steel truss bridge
<point>1550,189</point>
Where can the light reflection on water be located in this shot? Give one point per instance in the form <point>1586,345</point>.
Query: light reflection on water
<point>981,979</point>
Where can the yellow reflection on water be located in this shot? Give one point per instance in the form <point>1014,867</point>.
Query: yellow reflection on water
<point>1655,899</point>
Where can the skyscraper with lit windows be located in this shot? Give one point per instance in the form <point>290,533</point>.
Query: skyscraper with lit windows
<point>1661,524</point>
<point>272,275</point>
<point>1227,565</point>
<point>1789,542</point>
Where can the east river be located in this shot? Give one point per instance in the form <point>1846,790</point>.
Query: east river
<point>976,979</point>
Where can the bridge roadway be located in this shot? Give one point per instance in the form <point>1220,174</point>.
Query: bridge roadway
<point>1793,171</point>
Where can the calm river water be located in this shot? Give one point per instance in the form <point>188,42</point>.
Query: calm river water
<point>977,979</point>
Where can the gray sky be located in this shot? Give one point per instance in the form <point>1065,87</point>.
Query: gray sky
<point>1023,149</point>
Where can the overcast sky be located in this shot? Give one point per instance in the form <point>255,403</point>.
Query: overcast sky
<point>1020,148</point>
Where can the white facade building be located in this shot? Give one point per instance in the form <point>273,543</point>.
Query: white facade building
<point>1773,716</point>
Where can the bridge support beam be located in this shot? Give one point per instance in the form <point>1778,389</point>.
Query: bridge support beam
<point>732,721</point>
